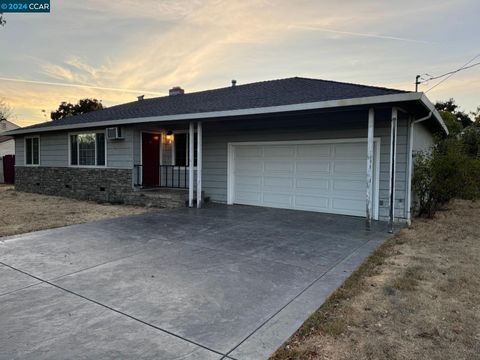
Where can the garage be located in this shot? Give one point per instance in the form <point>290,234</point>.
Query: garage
<point>321,175</point>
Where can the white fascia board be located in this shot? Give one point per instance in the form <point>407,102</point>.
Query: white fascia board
<point>428,104</point>
<point>370,100</point>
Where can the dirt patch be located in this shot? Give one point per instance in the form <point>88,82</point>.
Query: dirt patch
<point>417,297</point>
<point>22,212</point>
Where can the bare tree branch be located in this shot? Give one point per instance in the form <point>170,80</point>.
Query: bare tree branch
<point>6,112</point>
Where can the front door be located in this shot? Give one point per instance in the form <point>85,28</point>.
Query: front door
<point>151,159</point>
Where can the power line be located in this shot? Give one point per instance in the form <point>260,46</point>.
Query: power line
<point>448,74</point>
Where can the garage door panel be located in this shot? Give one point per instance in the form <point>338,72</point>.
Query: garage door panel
<point>312,202</point>
<point>350,167</point>
<point>325,177</point>
<point>312,185</point>
<point>352,151</point>
<point>279,166</point>
<point>283,183</point>
<point>249,183</point>
<point>314,151</point>
<point>279,151</point>
<point>248,197</point>
<point>248,166</point>
<point>313,166</point>
<point>277,199</point>
<point>349,206</point>
<point>248,151</point>
<point>357,186</point>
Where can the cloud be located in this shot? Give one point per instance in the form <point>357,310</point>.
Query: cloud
<point>360,34</point>
<point>80,86</point>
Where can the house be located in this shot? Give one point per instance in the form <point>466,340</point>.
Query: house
<point>7,144</point>
<point>294,143</point>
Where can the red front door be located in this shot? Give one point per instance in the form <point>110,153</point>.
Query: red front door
<point>151,159</point>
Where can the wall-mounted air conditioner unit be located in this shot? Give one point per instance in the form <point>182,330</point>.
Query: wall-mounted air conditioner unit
<point>114,133</point>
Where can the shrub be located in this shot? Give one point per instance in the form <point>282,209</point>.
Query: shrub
<point>450,170</point>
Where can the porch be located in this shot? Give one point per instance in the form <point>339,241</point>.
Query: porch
<point>168,162</point>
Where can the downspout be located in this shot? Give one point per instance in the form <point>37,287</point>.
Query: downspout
<point>410,165</point>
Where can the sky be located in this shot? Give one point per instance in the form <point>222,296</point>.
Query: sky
<point>117,50</point>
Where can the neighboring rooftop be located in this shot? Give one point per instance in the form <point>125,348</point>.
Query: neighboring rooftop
<point>289,91</point>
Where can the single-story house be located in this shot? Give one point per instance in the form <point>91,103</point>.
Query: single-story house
<point>293,143</point>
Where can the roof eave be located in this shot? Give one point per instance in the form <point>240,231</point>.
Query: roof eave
<point>428,104</point>
<point>370,100</point>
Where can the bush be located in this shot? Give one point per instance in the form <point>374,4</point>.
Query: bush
<point>450,170</point>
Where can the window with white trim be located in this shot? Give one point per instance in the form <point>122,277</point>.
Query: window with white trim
<point>87,149</point>
<point>32,150</point>
<point>181,143</point>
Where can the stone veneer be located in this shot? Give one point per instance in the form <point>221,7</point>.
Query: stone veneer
<point>110,185</point>
<point>98,184</point>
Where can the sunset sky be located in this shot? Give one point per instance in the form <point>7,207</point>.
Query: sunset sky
<point>116,50</point>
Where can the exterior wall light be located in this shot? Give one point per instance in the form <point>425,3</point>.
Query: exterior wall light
<point>169,137</point>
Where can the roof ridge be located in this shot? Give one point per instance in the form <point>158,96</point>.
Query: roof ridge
<point>351,83</point>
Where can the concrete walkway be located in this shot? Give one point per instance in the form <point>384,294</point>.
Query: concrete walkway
<point>216,283</point>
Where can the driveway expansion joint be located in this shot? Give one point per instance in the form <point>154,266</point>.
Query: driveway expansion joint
<point>117,311</point>
<point>338,262</point>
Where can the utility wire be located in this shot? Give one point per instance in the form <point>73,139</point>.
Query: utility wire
<point>451,73</point>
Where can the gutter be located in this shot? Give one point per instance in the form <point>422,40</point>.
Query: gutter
<point>369,100</point>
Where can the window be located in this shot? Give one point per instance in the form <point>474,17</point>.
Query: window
<point>32,151</point>
<point>87,149</point>
<point>181,149</point>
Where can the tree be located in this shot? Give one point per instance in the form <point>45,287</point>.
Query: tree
<point>476,116</point>
<point>6,111</point>
<point>2,20</point>
<point>66,109</point>
<point>449,106</point>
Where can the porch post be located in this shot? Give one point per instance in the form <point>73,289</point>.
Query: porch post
<point>199,164</point>
<point>393,166</point>
<point>190,164</point>
<point>369,207</point>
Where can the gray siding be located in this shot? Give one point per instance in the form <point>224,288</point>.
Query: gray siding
<point>19,151</point>
<point>120,152</point>
<point>422,138</point>
<point>54,150</point>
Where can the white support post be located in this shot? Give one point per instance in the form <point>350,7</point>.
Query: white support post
<point>409,170</point>
<point>393,165</point>
<point>190,164</point>
<point>199,164</point>
<point>369,203</point>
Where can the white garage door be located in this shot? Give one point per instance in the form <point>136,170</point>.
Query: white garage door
<point>324,177</point>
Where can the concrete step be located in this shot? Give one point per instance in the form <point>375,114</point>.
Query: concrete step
<point>161,198</point>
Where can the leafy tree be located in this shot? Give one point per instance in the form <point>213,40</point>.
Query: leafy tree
<point>66,109</point>
<point>476,116</point>
<point>453,125</point>
<point>450,107</point>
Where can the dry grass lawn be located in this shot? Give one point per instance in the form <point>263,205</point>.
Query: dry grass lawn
<point>417,297</point>
<point>23,212</point>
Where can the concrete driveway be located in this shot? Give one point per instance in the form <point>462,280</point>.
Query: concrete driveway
<point>216,283</point>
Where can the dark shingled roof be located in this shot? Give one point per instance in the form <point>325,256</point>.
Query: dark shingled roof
<point>289,91</point>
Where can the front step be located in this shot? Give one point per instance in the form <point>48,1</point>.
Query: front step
<point>159,198</point>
